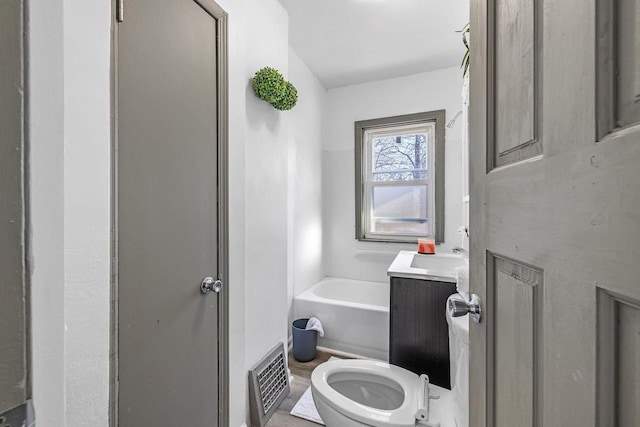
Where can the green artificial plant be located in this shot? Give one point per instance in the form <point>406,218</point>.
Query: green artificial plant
<point>269,85</point>
<point>465,58</point>
<point>288,99</point>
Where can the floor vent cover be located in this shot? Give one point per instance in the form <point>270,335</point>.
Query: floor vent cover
<point>269,385</point>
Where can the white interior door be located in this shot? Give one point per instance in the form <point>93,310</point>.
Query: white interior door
<point>555,212</point>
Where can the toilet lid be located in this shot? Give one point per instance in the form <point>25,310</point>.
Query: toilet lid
<point>368,371</point>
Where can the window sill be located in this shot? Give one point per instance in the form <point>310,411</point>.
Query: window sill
<point>381,240</point>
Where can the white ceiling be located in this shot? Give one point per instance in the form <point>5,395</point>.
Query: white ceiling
<point>348,42</point>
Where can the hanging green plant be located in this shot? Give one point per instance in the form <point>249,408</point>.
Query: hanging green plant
<point>465,59</point>
<point>288,99</point>
<point>269,85</point>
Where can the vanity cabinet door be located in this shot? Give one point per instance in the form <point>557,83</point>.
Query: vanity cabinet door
<point>419,335</point>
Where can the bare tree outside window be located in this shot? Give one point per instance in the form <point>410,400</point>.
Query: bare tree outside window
<point>400,158</point>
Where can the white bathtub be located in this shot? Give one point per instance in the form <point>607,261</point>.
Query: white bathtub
<point>354,314</point>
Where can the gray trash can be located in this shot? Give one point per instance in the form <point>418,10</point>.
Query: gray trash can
<point>304,342</point>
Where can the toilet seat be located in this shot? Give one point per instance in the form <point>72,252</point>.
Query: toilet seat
<point>368,371</point>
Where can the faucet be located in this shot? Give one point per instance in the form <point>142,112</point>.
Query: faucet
<point>461,251</point>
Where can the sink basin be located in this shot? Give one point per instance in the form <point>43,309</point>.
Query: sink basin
<point>437,262</point>
<point>438,267</point>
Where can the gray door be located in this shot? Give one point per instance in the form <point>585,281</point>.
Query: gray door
<point>555,213</point>
<point>167,214</point>
<point>14,349</point>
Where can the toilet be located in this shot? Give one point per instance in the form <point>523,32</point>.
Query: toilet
<point>355,393</point>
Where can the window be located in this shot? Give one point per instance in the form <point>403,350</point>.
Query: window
<point>400,178</point>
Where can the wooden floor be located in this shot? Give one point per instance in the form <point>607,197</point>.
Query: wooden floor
<point>301,381</point>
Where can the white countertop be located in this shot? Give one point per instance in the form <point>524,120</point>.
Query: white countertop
<point>437,267</point>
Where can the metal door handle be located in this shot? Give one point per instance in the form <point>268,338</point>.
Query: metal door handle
<point>210,284</point>
<point>459,307</point>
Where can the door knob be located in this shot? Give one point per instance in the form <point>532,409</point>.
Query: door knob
<point>210,284</point>
<point>459,307</point>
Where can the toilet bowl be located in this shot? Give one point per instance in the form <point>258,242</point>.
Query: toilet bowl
<point>356,393</point>
<point>365,393</point>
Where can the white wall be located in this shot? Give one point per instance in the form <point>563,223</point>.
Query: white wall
<point>344,255</point>
<point>306,130</point>
<point>87,204</point>
<point>266,158</point>
<point>465,159</point>
<point>70,204</point>
<point>46,140</point>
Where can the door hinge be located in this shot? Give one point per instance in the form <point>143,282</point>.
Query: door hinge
<point>119,10</point>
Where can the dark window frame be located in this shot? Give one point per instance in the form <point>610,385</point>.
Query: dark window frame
<point>437,117</point>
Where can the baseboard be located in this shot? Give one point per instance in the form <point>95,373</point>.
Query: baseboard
<point>342,353</point>
<point>354,350</point>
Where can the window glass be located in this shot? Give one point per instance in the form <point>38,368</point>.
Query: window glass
<point>399,210</point>
<point>400,157</point>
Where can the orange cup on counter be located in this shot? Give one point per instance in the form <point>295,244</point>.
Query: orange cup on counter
<point>426,246</point>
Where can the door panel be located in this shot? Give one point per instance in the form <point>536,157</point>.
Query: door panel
<point>628,54</point>
<point>514,297</point>
<point>627,364</point>
<point>618,364</point>
<point>566,219</point>
<point>167,214</point>
<point>514,53</point>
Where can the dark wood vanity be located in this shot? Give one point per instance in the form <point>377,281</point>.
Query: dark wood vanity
<point>418,332</point>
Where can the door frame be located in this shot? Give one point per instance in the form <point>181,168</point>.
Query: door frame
<point>222,44</point>
<point>15,37</point>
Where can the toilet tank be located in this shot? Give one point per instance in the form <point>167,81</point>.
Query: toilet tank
<point>459,359</point>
